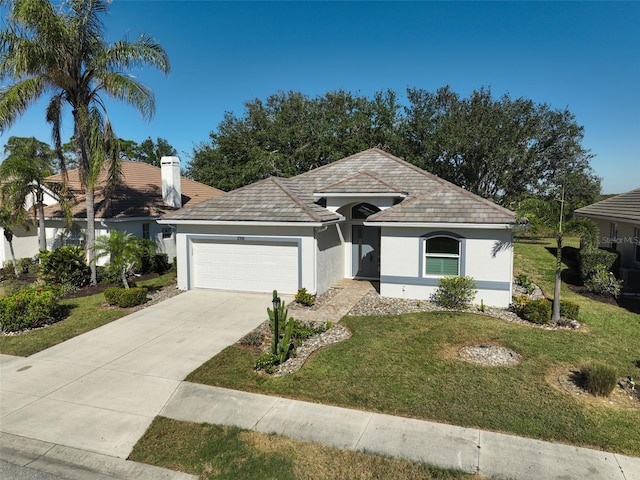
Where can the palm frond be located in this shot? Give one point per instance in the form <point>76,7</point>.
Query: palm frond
<point>16,98</point>
<point>144,52</point>
<point>123,87</point>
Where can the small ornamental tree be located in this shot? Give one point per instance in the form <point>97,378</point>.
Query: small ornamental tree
<point>123,250</point>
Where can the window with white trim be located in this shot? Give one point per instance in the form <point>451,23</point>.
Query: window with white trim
<point>167,232</point>
<point>442,256</point>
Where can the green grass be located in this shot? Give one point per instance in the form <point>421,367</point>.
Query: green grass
<point>85,313</point>
<point>407,366</point>
<point>217,452</point>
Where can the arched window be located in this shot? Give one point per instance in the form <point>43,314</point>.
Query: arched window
<point>442,256</point>
<point>363,210</point>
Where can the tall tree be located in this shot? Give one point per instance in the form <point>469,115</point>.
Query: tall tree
<point>61,50</point>
<point>290,133</point>
<point>503,149</point>
<point>23,176</point>
<point>152,152</point>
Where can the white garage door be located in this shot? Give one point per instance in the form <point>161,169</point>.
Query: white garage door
<point>246,266</point>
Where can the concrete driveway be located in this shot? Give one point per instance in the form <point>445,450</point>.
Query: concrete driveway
<point>100,391</point>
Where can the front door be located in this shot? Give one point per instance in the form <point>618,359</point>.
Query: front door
<point>365,256</point>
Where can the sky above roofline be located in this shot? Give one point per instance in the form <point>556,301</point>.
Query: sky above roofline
<point>584,56</point>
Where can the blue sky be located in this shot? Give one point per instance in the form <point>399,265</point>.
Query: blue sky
<point>580,55</point>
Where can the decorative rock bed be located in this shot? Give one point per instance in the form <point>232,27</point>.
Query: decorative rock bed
<point>489,355</point>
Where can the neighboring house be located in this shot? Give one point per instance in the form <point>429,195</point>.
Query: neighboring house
<point>618,220</point>
<point>370,216</point>
<point>143,195</point>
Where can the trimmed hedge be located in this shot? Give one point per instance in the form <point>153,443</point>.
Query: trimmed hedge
<point>537,311</point>
<point>125,297</point>
<point>569,309</point>
<point>30,308</point>
<point>591,258</point>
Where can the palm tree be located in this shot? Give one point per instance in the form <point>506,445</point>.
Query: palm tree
<point>123,250</point>
<point>10,217</point>
<point>22,177</point>
<point>60,50</point>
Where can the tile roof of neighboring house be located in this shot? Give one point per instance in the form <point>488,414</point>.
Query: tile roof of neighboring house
<point>428,198</point>
<point>624,207</point>
<point>139,193</point>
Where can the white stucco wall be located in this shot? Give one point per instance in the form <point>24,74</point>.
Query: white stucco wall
<point>185,234</point>
<point>626,238</point>
<point>487,256</point>
<point>25,244</point>
<point>330,258</point>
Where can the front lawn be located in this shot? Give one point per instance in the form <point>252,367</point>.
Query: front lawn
<point>408,365</point>
<point>85,313</point>
<point>217,452</point>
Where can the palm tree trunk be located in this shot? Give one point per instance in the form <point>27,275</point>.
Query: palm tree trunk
<point>8,235</point>
<point>555,316</point>
<point>42,232</point>
<point>91,233</point>
<point>123,275</point>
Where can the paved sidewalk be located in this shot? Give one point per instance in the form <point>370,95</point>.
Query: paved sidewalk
<point>471,450</point>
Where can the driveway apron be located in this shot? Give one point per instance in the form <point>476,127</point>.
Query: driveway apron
<point>101,390</point>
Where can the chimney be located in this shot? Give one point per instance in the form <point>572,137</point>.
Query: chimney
<point>171,189</point>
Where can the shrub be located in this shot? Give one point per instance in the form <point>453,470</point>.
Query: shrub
<point>525,282</point>
<point>266,362</point>
<point>603,282</point>
<point>537,311</point>
<point>599,379</point>
<point>125,297</point>
<point>592,258</point>
<point>28,308</point>
<point>107,274</point>
<point>569,309</point>
<point>251,339</point>
<point>455,292</point>
<point>301,330</point>
<point>64,265</point>
<point>305,298</point>
<point>519,302</point>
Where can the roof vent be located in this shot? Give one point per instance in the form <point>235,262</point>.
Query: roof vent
<point>171,188</point>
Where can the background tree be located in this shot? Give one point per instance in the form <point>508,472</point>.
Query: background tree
<point>504,149</point>
<point>123,250</point>
<point>61,50</point>
<point>290,133</point>
<point>23,176</point>
<point>152,152</point>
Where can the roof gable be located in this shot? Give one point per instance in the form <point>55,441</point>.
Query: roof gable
<point>363,182</point>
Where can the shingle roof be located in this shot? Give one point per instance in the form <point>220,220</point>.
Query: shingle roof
<point>625,206</point>
<point>364,182</point>
<point>138,195</point>
<point>428,198</point>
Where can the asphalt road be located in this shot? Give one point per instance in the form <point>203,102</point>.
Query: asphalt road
<point>16,472</point>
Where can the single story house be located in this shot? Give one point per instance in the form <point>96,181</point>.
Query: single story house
<point>618,221</point>
<point>369,216</point>
<point>144,194</point>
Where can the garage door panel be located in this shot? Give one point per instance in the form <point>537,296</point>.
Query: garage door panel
<point>245,266</point>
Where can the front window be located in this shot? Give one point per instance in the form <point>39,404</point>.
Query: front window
<point>613,236</point>
<point>73,237</point>
<point>442,256</point>
<point>146,234</point>
<point>363,210</point>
